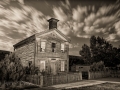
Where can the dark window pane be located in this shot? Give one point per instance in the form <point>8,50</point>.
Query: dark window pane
<point>53,50</point>
<point>53,45</point>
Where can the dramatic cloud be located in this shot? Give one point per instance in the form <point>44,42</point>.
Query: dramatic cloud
<point>117,27</point>
<point>79,22</point>
<point>60,14</point>
<point>97,21</point>
<point>19,23</point>
<point>90,19</point>
<point>66,4</point>
<point>112,38</point>
<point>79,13</point>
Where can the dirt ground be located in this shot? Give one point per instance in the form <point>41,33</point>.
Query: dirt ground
<point>109,79</point>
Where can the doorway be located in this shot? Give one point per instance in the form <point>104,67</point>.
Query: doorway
<point>84,75</point>
<point>53,67</point>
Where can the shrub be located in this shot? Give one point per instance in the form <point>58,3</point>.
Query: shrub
<point>11,68</point>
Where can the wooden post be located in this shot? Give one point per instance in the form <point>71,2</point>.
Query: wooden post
<point>41,80</point>
<point>52,79</point>
<point>88,75</point>
<point>80,73</point>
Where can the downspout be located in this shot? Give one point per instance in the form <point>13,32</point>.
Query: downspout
<point>34,53</point>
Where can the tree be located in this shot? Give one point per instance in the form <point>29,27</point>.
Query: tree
<point>97,66</point>
<point>102,50</point>
<point>85,53</point>
<point>11,68</point>
<point>93,45</point>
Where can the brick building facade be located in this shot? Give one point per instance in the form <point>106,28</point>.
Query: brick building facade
<point>47,50</point>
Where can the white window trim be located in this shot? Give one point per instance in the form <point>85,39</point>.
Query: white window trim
<point>42,46</point>
<point>62,66</point>
<point>43,64</point>
<point>62,47</point>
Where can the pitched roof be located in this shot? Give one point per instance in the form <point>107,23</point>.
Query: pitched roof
<point>47,31</point>
<point>31,38</point>
<point>24,41</point>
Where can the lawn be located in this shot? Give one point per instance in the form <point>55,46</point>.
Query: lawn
<point>104,86</point>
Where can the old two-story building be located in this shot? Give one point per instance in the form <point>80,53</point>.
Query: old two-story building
<point>47,50</point>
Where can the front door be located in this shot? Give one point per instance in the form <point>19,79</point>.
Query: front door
<point>53,67</point>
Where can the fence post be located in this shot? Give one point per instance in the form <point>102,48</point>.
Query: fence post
<point>80,73</point>
<point>89,75</point>
<point>52,79</point>
<point>41,80</point>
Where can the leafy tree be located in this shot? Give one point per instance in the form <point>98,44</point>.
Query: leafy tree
<point>11,68</point>
<point>93,45</point>
<point>85,53</point>
<point>97,66</point>
<point>31,70</point>
<point>101,50</point>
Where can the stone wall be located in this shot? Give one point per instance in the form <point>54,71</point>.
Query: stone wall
<point>26,53</point>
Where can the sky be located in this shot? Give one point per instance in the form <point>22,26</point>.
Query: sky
<point>78,20</point>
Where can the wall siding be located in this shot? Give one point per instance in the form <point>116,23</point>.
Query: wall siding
<point>26,53</point>
<point>48,54</point>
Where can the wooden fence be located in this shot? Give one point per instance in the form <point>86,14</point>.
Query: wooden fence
<point>60,79</point>
<point>35,79</point>
<point>115,73</point>
<point>48,80</point>
<point>99,74</point>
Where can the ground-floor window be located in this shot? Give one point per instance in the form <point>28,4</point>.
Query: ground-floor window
<point>62,65</point>
<point>42,65</point>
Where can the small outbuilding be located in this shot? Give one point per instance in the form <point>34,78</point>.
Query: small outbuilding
<point>84,69</point>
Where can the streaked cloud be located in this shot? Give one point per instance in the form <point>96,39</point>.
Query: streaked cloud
<point>79,13</point>
<point>59,14</point>
<point>78,22</point>
<point>66,4</point>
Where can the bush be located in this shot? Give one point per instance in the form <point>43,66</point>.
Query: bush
<point>11,68</point>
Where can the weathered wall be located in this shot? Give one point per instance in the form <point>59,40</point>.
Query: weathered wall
<point>80,68</point>
<point>48,55</point>
<point>26,53</point>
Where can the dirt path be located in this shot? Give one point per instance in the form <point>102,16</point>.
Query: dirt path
<point>86,83</point>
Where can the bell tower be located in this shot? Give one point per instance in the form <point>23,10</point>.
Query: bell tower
<point>53,23</point>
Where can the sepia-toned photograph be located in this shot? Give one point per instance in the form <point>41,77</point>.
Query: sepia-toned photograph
<point>59,44</point>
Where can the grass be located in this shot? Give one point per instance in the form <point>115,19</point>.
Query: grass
<point>20,85</point>
<point>104,86</point>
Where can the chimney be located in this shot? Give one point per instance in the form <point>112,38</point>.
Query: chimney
<point>53,23</point>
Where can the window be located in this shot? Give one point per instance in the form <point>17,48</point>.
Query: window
<point>62,65</point>
<point>62,47</point>
<point>42,65</point>
<point>42,46</point>
<point>53,45</point>
<point>30,63</point>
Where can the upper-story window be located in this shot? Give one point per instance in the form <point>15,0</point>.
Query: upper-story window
<point>42,46</point>
<point>62,47</point>
<point>53,45</point>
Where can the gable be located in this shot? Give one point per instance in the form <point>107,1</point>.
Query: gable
<point>53,34</point>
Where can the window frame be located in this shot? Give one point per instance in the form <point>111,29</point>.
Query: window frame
<point>41,48</point>
<point>53,46</point>
<point>62,66</point>
<point>62,48</point>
